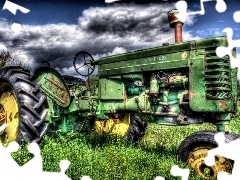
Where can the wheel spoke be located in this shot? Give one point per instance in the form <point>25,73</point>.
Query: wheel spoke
<point>90,67</point>
<point>80,67</point>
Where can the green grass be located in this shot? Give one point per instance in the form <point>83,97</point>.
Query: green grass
<point>112,158</point>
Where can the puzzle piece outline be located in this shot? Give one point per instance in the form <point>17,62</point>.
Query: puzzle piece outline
<point>183,8</point>
<point>12,7</point>
<point>236,16</point>
<point>227,150</point>
<point>176,171</point>
<point>34,166</point>
<point>222,51</point>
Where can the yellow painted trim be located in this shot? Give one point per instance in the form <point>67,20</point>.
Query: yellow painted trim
<point>114,126</point>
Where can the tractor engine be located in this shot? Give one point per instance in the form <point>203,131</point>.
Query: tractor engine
<point>177,84</point>
<point>166,94</point>
<point>162,95</point>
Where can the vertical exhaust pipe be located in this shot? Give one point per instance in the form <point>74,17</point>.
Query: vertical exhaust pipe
<point>175,23</point>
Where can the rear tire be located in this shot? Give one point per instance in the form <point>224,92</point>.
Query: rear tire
<point>21,106</point>
<point>131,127</point>
<point>193,151</point>
<point>136,129</point>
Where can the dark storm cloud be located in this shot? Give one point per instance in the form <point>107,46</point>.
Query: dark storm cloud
<point>125,19</point>
<point>101,31</point>
<point>128,26</point>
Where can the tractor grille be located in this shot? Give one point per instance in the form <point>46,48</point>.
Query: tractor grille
<point>217,76</point>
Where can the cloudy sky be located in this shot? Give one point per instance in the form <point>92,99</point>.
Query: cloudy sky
<point>56,30</point>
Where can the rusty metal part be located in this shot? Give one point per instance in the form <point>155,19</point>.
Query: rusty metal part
<point>223,105</point>
<point>182,119</point>
<point>124,96</point>
<point>178,81</point>
<point>191,94</point>
<point>178,32</point>
<point>55,82</point>
<point>89,82</point>
<point>164,80</point>
<point>196,161</point>
<point>175,23</point>
<point>53,85</point>
<point>136,100</point>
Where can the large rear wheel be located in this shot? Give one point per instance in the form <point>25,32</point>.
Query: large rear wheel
<point>193,151</point>
<point>129,126</point>
<point>21,106</point>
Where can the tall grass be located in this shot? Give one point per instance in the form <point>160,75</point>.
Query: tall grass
<point>112,158</point>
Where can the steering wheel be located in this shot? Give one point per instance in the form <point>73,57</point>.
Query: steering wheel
<point>86,63</point>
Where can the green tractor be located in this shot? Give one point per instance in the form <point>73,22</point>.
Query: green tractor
<point>178,84</point>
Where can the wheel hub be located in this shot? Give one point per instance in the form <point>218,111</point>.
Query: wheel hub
<point>196,161</point>
<point>8,114</point>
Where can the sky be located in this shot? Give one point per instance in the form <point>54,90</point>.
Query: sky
<point>54,31</point>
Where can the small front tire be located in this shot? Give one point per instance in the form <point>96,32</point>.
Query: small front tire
<point>193,151</point>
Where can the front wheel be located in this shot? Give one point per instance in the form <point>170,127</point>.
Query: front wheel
<point>193,151</point>
<point>130,126</point>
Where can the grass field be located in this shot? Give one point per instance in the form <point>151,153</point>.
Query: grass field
<point>111,158</point>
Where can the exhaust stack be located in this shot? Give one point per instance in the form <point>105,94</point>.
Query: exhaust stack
<point>175,23</point>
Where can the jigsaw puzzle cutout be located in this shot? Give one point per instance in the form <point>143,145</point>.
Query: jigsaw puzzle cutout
<point>12,7</point>
<point>228,150</point>
<point>16,27</point>
<point>34,167</point>
<point>236,16</point>
<point>223,51</point>
<point>159,178</point>
<point>182,8</point>
<point>3,127</point>
<point>183,173</point>
<point>177,172</point>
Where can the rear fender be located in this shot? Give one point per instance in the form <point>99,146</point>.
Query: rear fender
<point>53,85</point>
